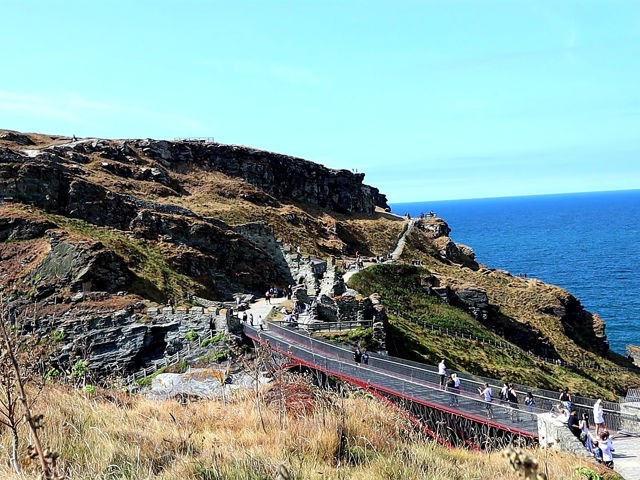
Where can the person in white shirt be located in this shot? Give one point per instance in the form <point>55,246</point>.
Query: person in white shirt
<point>598,416</point>
<point>487,395</point>
<point>606,445</point>
<point>442,371</point>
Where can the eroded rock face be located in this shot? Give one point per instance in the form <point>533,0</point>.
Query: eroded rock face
<point>583,327</point>
<point>281,176</point>
<point>87,266</point>
<point>20,228</point>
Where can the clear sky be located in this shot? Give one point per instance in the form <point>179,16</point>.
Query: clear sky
<point>433,100</point>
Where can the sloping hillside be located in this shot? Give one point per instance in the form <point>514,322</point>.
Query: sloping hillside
<point>92,232</point>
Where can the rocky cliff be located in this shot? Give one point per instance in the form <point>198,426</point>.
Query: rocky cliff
<point>94,233</point>
<point>142,222</point>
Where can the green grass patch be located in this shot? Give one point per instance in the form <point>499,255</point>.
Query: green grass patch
<point>156,279</point>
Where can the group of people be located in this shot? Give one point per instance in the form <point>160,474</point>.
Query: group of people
<point>508,394</point>
<point>599,443</point>
<point>248,318</point>
<point>360,356</point>
<point>275,292</point>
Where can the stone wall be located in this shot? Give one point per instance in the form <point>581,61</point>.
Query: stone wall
<point>554,433</point>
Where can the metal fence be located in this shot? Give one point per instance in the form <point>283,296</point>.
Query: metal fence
<point>546,400</point>
<point>385,375</point>
<point>464,334</point>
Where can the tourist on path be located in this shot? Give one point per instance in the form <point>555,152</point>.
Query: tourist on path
<point>574,423</point>
<point>260,322</point>
<point>597,451</point>
<point>607,449</point>
<point>487,395</point>
<point>598,416</point>
<point>442,371</point>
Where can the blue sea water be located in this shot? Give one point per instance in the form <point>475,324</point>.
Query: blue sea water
<point>587,243</point>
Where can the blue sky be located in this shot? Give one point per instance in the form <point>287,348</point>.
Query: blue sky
<point>432,100</point>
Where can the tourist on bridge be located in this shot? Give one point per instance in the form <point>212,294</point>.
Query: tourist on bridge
<point>530,402</point>
<point>504,393</point>
<point>456,384</point>
<point>451,387</point>
<point>442,371</point>
<point>565,399</point>
<point>365,358</point>
<point>598,416</point>
<point>357,356</point>
<point>512,397</point>
<point>487,395</point>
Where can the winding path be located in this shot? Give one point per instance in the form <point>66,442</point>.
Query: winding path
<point>395,255</point>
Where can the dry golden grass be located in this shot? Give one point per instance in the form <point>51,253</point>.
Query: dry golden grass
<point>114,436</point>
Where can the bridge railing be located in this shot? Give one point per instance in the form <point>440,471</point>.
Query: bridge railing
<point>546,400</point>
<point>337,361</point>
<point>325,326</point>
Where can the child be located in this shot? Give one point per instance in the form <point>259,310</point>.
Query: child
<point>597,451</point>
<point>606,445</point>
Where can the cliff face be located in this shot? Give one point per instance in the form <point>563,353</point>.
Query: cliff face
<point>54,176</point>
<point>125,223</point>
<point>280,176</point>
<point>525,311</point>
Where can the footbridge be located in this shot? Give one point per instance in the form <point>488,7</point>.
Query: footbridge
<point>454,419</point>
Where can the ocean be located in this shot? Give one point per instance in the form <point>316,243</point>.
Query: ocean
<point>586,243</point>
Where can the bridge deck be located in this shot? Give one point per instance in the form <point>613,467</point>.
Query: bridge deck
<point>386,376</point>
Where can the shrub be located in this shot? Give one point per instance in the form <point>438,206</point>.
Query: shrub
<point>191,336</point>
<point>59,335</point>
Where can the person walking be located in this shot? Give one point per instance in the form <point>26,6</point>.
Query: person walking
<point>585,435</point>
<point>260,322</point>
<point>450,389</point>
<point>442,371</point>
<point>456,385</point>
<point>530,402</point>
<point>357,356</point>
<point>365,358</point>
<point>512,397</point>
<point>487,395</point>
<point>504,394</point>
<point>598,416</point>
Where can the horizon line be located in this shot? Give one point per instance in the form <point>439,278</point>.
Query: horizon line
<point>519,196</point>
